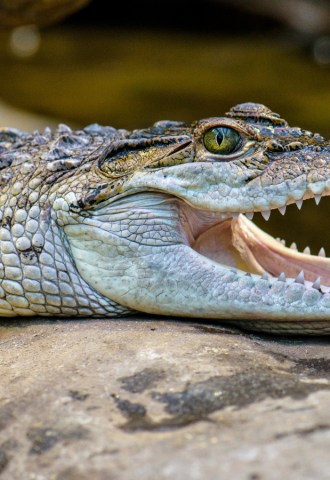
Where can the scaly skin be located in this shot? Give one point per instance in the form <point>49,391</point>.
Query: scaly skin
<point>108,222</point>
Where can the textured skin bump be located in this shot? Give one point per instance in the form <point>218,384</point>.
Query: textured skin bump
<point>38,276</point>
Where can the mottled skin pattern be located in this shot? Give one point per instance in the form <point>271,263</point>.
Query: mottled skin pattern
<point>103,222</point>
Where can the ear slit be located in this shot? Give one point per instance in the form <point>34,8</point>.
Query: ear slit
<point>125,156</point>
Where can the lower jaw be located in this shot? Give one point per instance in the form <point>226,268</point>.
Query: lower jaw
<point>239,243</point>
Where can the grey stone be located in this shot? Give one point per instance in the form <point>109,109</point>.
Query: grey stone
<point>146,398</point>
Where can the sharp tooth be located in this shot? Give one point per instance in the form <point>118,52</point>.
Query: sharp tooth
<point>294,246</point>
<point>266,214</point>
<point>265,276</point>
<point>307,250</point>
<point>317,199</point>
<point>321,252</point>
<point>299,204</point>
<point>317,284</point>
<point>281,277</point>
<point>282,210</point>
<point>249,215</point>
<point>300,278</point>
<point>280,240</point>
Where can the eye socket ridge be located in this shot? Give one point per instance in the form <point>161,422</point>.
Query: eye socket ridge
<point>222,140</point>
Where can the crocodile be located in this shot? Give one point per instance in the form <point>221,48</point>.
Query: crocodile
<point>108,222</point>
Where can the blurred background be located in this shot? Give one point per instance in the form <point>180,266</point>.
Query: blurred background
<point>74,61</point>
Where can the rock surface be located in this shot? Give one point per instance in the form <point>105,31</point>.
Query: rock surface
<point>156,398</point>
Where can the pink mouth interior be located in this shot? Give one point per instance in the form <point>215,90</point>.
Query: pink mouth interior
<point>239,243</point>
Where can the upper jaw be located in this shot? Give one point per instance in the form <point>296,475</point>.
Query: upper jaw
<point>290,177</point>
<point>238,186</point>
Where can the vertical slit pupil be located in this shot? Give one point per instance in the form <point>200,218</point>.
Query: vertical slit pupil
<point>219,137</point>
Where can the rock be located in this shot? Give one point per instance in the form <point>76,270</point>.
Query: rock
<point>155,398</point>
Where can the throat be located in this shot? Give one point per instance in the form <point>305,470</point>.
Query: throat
<point>218,244</point>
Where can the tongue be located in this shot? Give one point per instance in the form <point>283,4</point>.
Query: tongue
<point>262,253</point>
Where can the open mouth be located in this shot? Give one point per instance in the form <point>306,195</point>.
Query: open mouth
<point>239,243</point>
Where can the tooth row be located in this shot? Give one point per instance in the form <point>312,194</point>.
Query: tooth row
<point>300,278</point>
<point>307,250</point>
<point>293,246</point>
<point>282,210</point>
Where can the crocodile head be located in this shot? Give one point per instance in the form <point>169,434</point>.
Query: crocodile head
<point>159,220</point>
<point>219,172</point>
<point>173,202</point>
<point>248,161</point>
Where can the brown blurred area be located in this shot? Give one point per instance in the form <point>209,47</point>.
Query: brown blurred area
<point>187,60</point>
<point>14,13</point>
<point>178,60</point>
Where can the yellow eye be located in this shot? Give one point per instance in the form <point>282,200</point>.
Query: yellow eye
<point>223,140</point>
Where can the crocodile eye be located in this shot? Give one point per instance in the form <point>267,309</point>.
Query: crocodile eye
<point>223,140</point>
